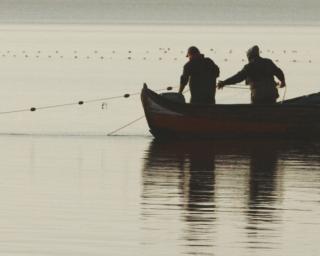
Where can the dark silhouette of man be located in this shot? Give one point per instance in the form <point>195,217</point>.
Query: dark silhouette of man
<point>259,74</point>
<point>201,73</point>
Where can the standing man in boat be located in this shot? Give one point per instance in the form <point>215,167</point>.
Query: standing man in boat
<point>201,73</point>
<point>259,74</point>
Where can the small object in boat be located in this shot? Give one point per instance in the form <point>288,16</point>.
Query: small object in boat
<point>104,105</point>
<point>174,96</point>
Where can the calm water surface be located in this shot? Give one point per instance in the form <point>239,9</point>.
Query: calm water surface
<point>70,195</point>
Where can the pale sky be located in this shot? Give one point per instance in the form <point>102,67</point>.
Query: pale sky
<point>161,11</point>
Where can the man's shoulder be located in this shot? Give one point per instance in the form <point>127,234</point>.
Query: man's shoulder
<point>192,63</point>
<point>270,64</point>
<point>260,61</point>
<point>210,61</point>
<point>266,60</point>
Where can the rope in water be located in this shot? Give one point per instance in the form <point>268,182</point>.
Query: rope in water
<point>126,125</point>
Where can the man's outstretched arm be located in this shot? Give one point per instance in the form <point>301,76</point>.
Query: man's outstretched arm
<point>237,78</point>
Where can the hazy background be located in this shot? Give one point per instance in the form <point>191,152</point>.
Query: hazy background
<point>66,192</point>
<point>271,12</point>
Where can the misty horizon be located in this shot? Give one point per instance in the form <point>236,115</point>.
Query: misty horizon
<point>219,12</point>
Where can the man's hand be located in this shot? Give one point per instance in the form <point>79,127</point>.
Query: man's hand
<point>282,84</point>
<point>220,85</point>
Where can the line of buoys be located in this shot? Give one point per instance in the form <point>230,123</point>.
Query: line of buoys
<point>80,102</point>
<point>164,50</point>
<point>106,54</point>
<point>130,57</point>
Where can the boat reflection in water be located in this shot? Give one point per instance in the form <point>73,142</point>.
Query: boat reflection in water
<point>224,195</point>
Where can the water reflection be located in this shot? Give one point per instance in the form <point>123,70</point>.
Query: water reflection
<point>217,186</point>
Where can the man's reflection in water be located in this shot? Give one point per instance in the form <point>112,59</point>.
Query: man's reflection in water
<point>200,193</point>
<point>183,176</point>
<point>190,166</point>
<point>193,166</point>
<point>264,189</point>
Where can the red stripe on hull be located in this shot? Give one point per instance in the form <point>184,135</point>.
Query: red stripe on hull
<point>185,124</point>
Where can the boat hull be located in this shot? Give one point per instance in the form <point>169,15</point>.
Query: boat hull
<point>168,119</point>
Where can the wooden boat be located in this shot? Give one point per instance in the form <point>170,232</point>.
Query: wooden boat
<point>292,119</point>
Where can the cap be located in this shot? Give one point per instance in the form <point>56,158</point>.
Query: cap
<point>193,51</point>
<point>253,52</point>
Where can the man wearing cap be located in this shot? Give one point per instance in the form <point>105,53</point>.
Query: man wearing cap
<point>259,73</point>
<point>201,73</point>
